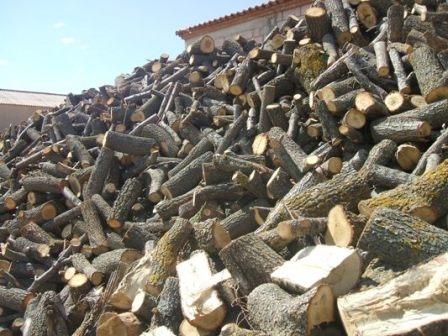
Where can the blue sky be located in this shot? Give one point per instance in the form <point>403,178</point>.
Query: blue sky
<point>69,45</point>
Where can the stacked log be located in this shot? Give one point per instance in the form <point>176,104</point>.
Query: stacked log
<point>194,190</point>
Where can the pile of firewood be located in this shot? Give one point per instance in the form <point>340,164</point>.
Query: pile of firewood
<point>293,187</point>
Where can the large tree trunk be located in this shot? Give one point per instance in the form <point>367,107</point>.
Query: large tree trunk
<point>425,196</point>
<point>400,239</point>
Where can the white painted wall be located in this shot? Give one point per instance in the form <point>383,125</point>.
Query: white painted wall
<point>256,28</point>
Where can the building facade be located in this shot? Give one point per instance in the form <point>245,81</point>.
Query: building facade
<point>252,23</point>
<point>16,106</point>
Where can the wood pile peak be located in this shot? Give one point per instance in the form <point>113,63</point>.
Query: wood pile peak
<point>291,187</point>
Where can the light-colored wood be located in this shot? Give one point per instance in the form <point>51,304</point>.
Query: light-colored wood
<point>336,266</point>
<point>160,331</point>
<point>410,304</point>
<point>260,143</point>
<point>343,228</point>
<point>203,308</point>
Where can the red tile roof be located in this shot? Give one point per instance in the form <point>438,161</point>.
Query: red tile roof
<point>237,17</point>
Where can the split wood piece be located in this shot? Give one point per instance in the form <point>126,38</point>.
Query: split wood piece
<point>392,236</point>
<point>99,173</point>
<point>238,223</point>
<point>202,308</point>
<point>344,227</point>
<point>422,197</point>
<point>267,98</point>
<point>159,331</point>
<point>273,240</point>
<point>318,200</point>
<point>126,198</point>
<point>399,71</point>
<point>329,45</point>
<point>203,146</point>
<point>232,133</point>
<point>107,262</point>
<point>341,104</point>
<point>250,261</point>
<point>338,88</point>
<point>187,329</point>
<point>412,296</point>
<point>93,228</point>
<point>435,148</point>
<point>407,156</point>
<point>79,151</point>
<point>397,102</point>
<point>232,329</point>
<point>187,178</point>
<point>338,267</point>
<point>278,184</point>
<point>292,157</point>
<point>39,214</point>
<point>204,45</point>
<point>400,130</point>
<point>134,279</point>
<point>128,144</point>
<point>395,19</point>
<point>385,177</point>
<point>431,78</point>
<point>44,314</point>
<point>299,227</point>
<point>143,305</point>
<point>168,312</point>
<point>317,22</point>
<point>165,141</point>
<point>126,324</point>
<point>15,298</point>
<point>44,184</point>
<point>82,265</point>
<point>165,253</point>
<point>268,306</point>
<point>329,126</point>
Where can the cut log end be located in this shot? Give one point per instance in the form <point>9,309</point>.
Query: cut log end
<point>321,307</point>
